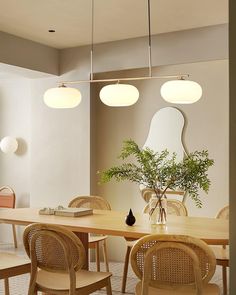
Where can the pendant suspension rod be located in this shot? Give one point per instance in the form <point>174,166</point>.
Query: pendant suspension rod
<point>179,76</point>
<point>149,40</point>
<point>92,33</point>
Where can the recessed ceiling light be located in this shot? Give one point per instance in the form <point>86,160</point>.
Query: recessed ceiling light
<point>51,31</point>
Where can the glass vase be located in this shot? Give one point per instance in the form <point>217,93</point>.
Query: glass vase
<point>157,210</point>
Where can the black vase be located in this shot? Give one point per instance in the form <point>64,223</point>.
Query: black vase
<point>130,219</point>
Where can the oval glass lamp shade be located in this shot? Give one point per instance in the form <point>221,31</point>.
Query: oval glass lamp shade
<point>119,95</point>
<point>62,97</point>
<point>8,145</point>
<point>181,91</point>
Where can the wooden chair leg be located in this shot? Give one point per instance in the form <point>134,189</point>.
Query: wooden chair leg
<point>6,286</point>
<point>14,235</point>
<point>224,275</point>
<point>97,256</point>
<point>108,287</point>
<point>125,271</point>
<point>104,247</point>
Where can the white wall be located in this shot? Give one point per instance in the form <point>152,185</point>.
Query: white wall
<point>15,121</point>
<point>60,140</point>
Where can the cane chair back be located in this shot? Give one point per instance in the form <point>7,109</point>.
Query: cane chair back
<point>8,200</point>
<point>223,213</point>
<point>53,248</point>
<point>93,202</point>
<point>7,197</point>
<point>174,207</point>
<point>173,261</point>
<point>148,192</point>
<point>222,253</point>
<point>57,257</point>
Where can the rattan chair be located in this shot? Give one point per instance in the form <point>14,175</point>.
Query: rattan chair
<point>148,192</point>
<point>94,202</point>
<point>57,257</point>
<point>12,265</point>
<point>7,200</point>
<point>174,207</point>
<point>169,264</point>
<point>222,253</point>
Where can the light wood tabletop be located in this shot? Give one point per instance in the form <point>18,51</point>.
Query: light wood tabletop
<point>211,230</point>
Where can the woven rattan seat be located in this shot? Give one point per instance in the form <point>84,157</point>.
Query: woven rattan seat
<point>57,257</point>
<point>94,202</point>
<point>170,264</point>
<point>222,252</point>
<point>174,207</point>
<point>209,289</point>
<point>61,281</point>
<point>8,200</point>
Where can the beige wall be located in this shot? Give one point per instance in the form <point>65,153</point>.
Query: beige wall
<point>28,54</point>
<point>207,127</point>
<point>15,121</point>
<point>194,45</point>
<point>60,164</point>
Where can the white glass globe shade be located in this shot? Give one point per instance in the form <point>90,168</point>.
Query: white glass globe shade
<point>8,145</point>
<point>62,97</point>
<point>181,91</point>
<point>119,95</point>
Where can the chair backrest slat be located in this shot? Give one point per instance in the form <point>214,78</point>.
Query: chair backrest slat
<point>47,243</point>
<point>7,197</point>
<point>93,202</point>
<point>174,207</point>
<point>223,213</point>
<point>148,192</point>
<point>170,263</point>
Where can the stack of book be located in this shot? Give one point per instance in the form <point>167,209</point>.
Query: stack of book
<point>69,212</point>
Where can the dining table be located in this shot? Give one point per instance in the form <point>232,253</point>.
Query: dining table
<point>109,222</point>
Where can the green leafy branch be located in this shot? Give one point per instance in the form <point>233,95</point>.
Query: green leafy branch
<point>161,171</point>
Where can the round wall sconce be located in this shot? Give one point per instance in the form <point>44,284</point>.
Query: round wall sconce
<point>8,145</point>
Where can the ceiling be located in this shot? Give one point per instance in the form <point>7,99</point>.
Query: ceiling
<point>114,19</point>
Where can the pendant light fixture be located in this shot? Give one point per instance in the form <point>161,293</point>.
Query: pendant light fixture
<point>181,91</point>
<point>62,97</point>
<point>120,93</point>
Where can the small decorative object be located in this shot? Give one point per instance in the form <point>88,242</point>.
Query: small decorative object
<point>130,219</point>
<point>8,145</point>
<point>160,172</point>
<point>46,211</point>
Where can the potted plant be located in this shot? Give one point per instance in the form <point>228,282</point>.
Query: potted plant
<point>160,171</point>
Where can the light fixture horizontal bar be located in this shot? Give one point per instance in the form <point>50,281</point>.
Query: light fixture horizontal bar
<point>179,76</point>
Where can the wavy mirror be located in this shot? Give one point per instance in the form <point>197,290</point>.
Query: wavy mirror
<point>166,130</point>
